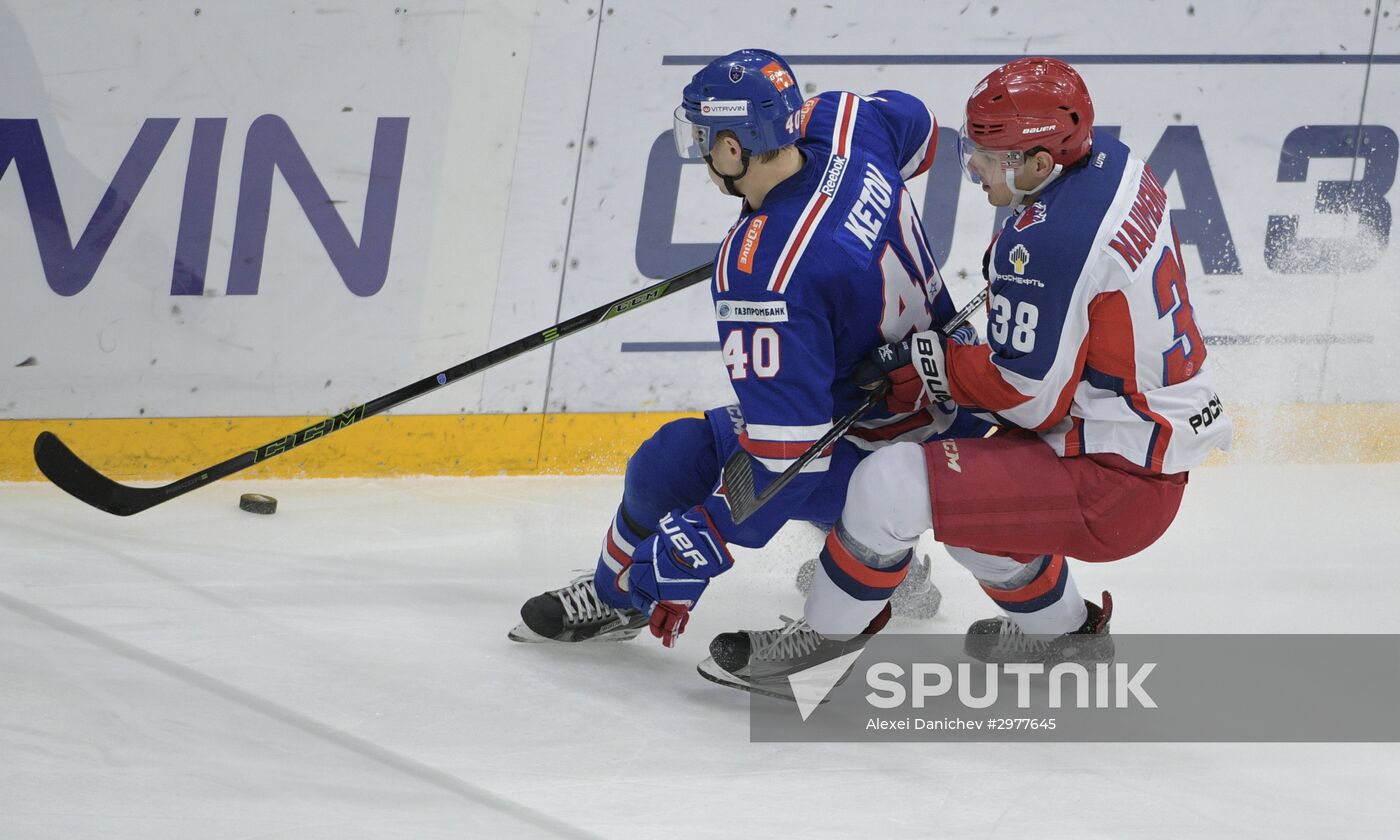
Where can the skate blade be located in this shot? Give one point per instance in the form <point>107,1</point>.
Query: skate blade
<point>522,633</point>
<point>711,671</point>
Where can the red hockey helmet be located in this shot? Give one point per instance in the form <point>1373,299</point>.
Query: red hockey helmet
<point>1026,104</point>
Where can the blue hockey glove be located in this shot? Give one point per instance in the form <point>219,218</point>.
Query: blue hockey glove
<point>671,569</point>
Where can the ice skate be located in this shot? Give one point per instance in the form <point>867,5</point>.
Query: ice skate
<point>575,613</point>
<point>999,640</point>
<point>916,597</point>
<point>762,661</point>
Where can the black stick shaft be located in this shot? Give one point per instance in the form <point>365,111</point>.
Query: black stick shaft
<point>738,471</point>
<point>65,469</point>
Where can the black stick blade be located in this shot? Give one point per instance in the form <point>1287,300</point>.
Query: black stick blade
<point>73,475</point>
<point>738,486</point>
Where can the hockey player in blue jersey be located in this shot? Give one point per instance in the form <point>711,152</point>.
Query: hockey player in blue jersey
<point>826,262</point>
<point>1094,367</point>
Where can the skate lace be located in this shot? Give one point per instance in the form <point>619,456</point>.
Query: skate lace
<point>1014,639</point>
<point>791,641</point>
<point>581,602</point>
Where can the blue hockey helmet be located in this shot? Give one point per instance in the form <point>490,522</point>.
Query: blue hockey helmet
<point>751,93</point>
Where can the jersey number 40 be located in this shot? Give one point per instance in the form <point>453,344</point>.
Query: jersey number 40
<point>765,355</point>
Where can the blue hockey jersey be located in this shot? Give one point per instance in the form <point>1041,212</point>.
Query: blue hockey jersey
<point>832,265</point>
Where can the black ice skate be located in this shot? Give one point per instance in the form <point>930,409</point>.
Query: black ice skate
<point>764,661</point>
<point>998,640</point>
<point>916,597</point>
<point>575,613</point>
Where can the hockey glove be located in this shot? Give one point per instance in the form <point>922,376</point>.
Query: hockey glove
<point>893,362</point>
<point>902,363</point>
<point>671,569</point>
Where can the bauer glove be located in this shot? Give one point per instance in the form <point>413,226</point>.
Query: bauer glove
<point>671,569</point>
<point>913,367</point>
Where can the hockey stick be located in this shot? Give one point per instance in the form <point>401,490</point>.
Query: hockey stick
<point>738,470</point>
<point>73,475</point>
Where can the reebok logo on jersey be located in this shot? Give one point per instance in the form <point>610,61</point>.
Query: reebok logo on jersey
<point>1033,215</point>
<point>868,214</point>
<point>750,244</point>
<point>755,311</point>
<point>832,180</point>
<point>1019,256</point>
<point>725,108</point>
<point>777,75</point>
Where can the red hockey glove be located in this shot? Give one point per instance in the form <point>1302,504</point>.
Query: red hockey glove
<point>668,620</point>
<point>914,368</point>
<point>893,363</point>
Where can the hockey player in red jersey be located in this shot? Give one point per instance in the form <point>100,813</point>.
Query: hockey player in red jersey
<point>826,262</point>
<point>1094,369</point>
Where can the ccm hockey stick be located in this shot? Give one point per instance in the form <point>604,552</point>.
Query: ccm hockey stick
<point>65,469</point>
<point>738,470</point>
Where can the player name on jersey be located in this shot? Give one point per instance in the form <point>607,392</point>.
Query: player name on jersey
<point>868,214</point>
<point>1137,233</point>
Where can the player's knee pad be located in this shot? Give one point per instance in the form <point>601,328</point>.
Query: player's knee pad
<point>887,504</point>
<point>675,468</point>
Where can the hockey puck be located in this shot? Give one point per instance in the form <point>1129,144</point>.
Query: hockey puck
<point>257,503</point>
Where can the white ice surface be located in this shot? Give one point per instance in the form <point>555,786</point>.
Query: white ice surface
<point>340,670</point>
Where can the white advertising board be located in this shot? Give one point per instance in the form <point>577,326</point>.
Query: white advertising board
<point>266,209</point>
<point>216,210</point>
<point>1246,142</point>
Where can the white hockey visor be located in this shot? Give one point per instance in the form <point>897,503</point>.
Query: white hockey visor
<point>692,139</point>
<point>980,164</point>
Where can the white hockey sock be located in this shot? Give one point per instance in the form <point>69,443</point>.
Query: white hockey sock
<point>1014,585</point>
<point>832,612</point>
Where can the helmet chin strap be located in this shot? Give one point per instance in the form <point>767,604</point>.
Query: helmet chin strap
<point>730,181</point>
<point>1019,196</point>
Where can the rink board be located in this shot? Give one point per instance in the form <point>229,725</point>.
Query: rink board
<point>580,444</point>
<point>263,231</point>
